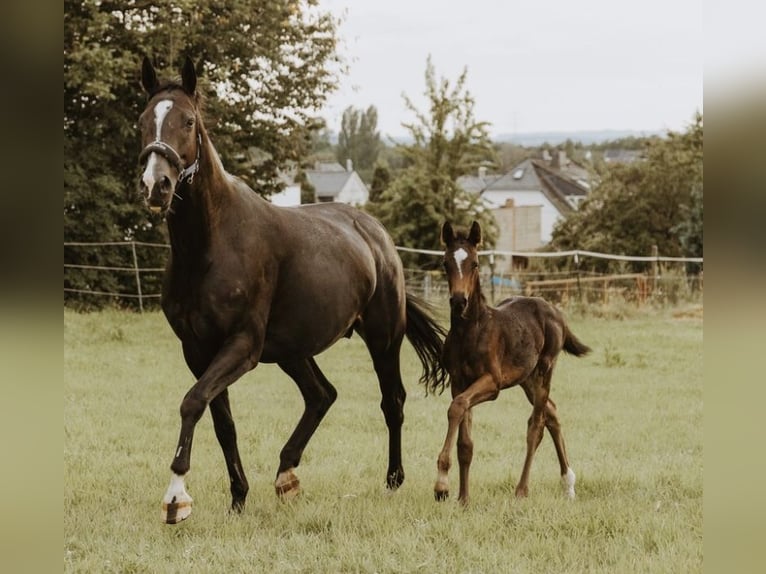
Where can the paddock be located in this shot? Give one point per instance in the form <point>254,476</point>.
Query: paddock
<point>633,423</point>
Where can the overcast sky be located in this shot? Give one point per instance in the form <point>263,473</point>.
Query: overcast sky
<point>551,65</point>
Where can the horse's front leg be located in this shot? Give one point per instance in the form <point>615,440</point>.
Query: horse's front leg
<point>483,389</point>
<point>464,454</point>
<point>238,355</point>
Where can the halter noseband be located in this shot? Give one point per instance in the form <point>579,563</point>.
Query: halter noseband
<point>167,151</point>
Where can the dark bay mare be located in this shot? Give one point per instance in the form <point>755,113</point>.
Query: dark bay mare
<point>249,282</point>
<point>489,349</point>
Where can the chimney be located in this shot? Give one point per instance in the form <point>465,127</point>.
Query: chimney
<point>482,171</point>
<point>349,165</point>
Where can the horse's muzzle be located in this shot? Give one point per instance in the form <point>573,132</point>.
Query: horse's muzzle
<point>158,198</point>
<point>457,303</point>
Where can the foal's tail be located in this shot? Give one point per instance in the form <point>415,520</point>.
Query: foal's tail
<point>427,336</point>
<point>573,345</point>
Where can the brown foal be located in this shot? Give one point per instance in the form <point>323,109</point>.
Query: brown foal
<point>489,349</point>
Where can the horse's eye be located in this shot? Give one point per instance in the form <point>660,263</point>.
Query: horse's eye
<point>475,265</point>
<point>190,123</point>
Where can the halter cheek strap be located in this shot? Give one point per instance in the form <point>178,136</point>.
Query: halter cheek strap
<point>167,151</point>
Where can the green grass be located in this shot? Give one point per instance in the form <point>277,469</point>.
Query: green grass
<point>632,419</point>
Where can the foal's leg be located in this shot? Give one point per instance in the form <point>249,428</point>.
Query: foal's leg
<point>227,438</point>
<point>537,388</point>
<point>554,428</point>
<point>318,396</point>
<point>234,359</point>
<point>483,389</point>
<point>464,453</point>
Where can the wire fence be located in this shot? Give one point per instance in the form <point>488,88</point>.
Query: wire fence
<point>129,274</point>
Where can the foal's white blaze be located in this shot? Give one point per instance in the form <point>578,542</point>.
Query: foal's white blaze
<point>460,255</point>
<point>160,111</point>
<point>568,483</point>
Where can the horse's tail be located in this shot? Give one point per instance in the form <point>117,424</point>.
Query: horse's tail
<point>573,345</point>
<point>427,337</point>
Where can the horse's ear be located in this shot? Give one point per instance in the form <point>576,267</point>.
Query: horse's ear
<point>148,76</point>
<point>448,234</point>
<point>474,236</point>
<point>189,76</point>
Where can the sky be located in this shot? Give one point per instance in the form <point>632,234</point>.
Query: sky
<point>541,66</point>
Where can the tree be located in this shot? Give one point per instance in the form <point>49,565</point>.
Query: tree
<point>657,201</point>
<point>359,139</point>
<point>266,67</point>
<point>448,142</point>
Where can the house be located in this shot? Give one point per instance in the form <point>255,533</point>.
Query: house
<point>331,182</point>
<point>527,202</point>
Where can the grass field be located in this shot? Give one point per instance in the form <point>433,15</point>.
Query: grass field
<point>631,413</point>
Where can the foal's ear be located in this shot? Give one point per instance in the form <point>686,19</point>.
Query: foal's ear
<point>474,236</point>
<point>448,234</point>
<point>189,76</point>
<point>148,76</point>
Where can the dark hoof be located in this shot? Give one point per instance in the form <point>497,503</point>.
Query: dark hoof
<point>237,506</point>
<point>395,479</point>
<point>441,495</point>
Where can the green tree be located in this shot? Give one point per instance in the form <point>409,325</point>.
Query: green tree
<point>359,139</point>
<point>266,67</point>
<point>448,142</point>
<point>381,179</point>
<point>657,201</point>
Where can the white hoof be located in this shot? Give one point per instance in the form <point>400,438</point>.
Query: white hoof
<point>176,504</point>
<point>568,483</point>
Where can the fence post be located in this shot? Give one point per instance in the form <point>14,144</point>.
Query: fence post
<point>655,268</point>
<point>492,276</point>
<point>138,277</point>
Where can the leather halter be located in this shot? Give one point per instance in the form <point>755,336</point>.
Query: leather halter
<point>167,151</point>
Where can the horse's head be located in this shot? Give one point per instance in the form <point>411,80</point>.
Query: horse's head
<point>169,134</point>
<point>461,264</point>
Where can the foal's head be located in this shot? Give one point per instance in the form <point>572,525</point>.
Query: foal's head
<point>169,134</point>
<point>461,264</point>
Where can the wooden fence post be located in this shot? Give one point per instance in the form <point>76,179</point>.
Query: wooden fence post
<point>138,277</point>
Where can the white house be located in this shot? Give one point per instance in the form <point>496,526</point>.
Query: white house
<point>331,182</point>
<point>530,184</point>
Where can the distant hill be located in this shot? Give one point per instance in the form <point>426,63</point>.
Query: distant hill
<point>534,139</point>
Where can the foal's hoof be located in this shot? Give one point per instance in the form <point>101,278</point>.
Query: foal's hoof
<point>287,485</point>
<point>441,495</point>
<point>176,510</point>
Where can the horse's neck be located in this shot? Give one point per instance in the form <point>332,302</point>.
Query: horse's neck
<point>193,221</point>
<point>477,309</point>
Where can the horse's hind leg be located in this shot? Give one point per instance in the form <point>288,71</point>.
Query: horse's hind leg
<point>393,396</point>
<point>226,433</point>
<point>547,410</point>
<point>554,427</point>
<point>318,396</point>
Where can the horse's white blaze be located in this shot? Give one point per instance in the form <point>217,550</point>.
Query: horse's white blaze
<point>160,111</point>
<point>148,176</point>
<point>568,483</point>
<point>460,255</point>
